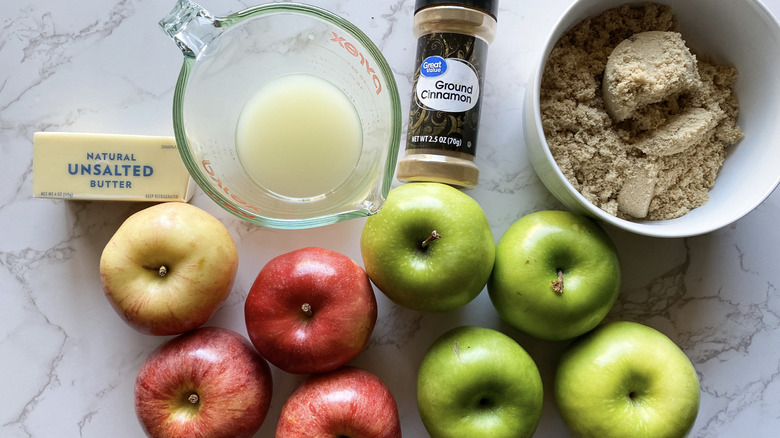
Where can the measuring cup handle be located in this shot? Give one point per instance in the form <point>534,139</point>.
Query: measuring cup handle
<point>191,27</point>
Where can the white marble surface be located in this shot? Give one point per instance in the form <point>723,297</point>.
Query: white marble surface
<point>68,363</point>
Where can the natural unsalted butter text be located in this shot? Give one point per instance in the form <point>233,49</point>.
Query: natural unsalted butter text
<point>108,167</point>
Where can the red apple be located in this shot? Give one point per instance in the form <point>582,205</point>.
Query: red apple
<point>310,311</point>
<point>209,382</point>
<point>168,268</point>
<point>348,402</point>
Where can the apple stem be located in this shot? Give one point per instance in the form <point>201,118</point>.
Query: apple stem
<point>163,271</point>
<point>434,236</point>
<point>193,398</point>
<point>306,308</point>
<point>557,285</point>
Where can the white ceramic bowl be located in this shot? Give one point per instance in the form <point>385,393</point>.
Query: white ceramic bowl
<point>739,32</point>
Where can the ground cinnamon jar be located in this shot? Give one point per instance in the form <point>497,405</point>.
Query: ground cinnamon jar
<point>453,38</point>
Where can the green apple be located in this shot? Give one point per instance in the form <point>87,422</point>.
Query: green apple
<point>429,248</point>
<point>477,382</point>
<point>556,275</point>
<point>625,379</point>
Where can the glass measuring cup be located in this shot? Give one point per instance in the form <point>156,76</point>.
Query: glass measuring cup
<point>228,60</point>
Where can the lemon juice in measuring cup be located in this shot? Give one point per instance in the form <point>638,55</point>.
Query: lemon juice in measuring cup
<point>285,114</point>
<point>299,136</point>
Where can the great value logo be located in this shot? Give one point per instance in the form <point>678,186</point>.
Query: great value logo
<point>450,85</point>
<point>433,66</point>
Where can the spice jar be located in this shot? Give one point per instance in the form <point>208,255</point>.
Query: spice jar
<point>453,38</point>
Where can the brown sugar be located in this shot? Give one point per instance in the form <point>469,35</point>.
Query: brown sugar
<point>648,67</point>
<point>661,160</point>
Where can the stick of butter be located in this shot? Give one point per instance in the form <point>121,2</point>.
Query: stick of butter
<point>109,167</point>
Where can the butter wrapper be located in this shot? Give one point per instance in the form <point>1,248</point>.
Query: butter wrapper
<point>109,167</point>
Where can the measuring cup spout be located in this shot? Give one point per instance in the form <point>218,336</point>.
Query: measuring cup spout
<point>191,27</point>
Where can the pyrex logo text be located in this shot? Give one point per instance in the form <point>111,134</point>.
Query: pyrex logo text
<point>352,50</point>
<point>210,171</point>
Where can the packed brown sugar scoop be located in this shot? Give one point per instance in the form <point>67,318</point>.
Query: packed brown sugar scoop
<point>645,69</point>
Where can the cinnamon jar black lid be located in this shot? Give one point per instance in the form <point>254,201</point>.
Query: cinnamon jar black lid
<point>488,6</point>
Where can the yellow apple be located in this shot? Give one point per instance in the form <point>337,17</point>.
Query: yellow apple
<point>168,268</point>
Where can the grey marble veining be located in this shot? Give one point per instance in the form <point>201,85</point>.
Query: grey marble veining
<point>68,363</point>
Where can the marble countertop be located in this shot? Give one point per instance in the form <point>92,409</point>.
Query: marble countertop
<point>68,363</point>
